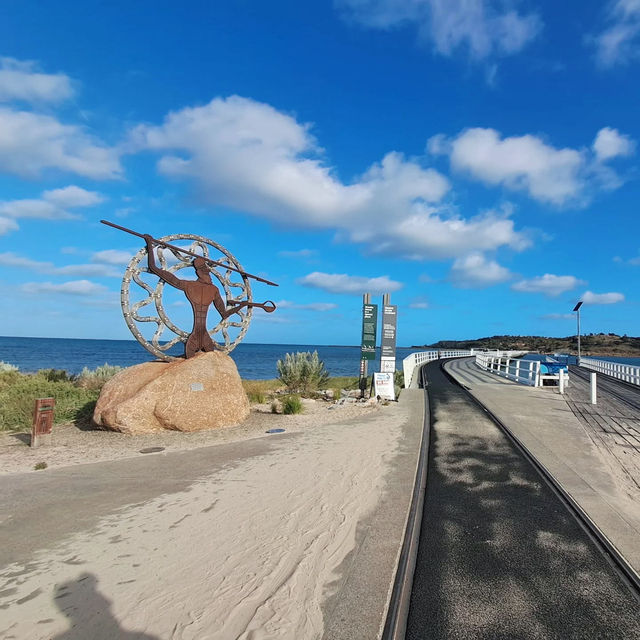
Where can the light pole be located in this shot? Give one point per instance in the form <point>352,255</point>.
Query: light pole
<point>577,310</point>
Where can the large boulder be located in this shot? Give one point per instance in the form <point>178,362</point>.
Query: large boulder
<point>199,393</point>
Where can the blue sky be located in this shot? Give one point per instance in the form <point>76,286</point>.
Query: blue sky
<point>477,159</point>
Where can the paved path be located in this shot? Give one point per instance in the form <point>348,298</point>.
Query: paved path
<point>499,555</point>
<point>545,423</point>
<point>133,548</point>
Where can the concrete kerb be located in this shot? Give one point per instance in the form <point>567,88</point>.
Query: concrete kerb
<point>360,603</point>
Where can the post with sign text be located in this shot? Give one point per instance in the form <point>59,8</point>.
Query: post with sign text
<point>388,339</point>
<point>368,346</point>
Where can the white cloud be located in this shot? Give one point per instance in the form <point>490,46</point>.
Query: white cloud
<point>558,316</point>
<point>112,256</point>
<point>34,208</point>
<point>319,306</point>
<point>588,297</point>
<point>87,270</point>
<point>343,283</point>
<point>476,272</point>
<point>74,287</point>
<point>72,197</point>
<point>248,156</point>
<point>548,284</point>
<point>19,80</point>
<point>31,143</point>
<point>53,205</point>
<point>519,163</point>
<point>10,259</point>
<point>483,27</point>
<point>6,225</point>
<point>619,43</point>
<point>312,306</point>
<point>418,303</point>
<point>527,163</point>
<point>610,143</point>
<point>301,253</point>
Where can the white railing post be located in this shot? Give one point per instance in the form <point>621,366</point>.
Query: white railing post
<point>594,399</point>
<point>561,381</point>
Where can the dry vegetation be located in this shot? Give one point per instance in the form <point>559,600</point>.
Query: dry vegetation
<point>593,344</point>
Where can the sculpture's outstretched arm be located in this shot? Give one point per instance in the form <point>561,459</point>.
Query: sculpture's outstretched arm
<point>167,276</point>
<point>267,306</point>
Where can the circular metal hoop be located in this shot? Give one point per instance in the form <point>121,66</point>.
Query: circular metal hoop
<point>236,286</point>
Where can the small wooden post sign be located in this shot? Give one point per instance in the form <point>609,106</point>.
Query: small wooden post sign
<point>42,421</point>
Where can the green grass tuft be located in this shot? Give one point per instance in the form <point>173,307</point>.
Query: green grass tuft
<point>292,404</point>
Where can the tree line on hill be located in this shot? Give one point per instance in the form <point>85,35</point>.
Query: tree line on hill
<point>596,344</point>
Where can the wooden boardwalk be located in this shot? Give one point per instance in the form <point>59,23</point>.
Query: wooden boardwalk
<point>614,422</point>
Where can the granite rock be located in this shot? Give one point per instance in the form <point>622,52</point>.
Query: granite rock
<point>196,394</point>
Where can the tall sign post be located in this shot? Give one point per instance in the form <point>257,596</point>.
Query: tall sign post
<point>388,335</point>
<point>368,345</point>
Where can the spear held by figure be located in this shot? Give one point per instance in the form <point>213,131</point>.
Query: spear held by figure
<point>200,293</point>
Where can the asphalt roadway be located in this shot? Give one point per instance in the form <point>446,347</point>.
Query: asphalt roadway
<point>499,555</point>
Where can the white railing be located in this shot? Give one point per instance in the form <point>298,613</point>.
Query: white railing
<point>412,363</point>
<point>625,372</point>
<point>522,371</point>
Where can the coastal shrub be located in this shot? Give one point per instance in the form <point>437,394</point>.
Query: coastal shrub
<point>8,378</point>
<point>398,382</point>
<point>17,400</point>
<point>291,404</point>
<point>55,375</point>
<point>6,367</point>
<point>95,379</point>
<point>302,371</point>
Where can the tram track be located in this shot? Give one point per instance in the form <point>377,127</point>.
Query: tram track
<point>424,588</point>
<point>625,392</point>
<point>613,556</point>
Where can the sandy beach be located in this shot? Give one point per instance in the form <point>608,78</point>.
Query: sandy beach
<point>250,550</point>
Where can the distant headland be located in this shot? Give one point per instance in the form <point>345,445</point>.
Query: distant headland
<point>593,344</point>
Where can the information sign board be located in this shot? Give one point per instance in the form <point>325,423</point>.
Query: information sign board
<point>387,365</point>
<point>369,330</point>
<point>388,340</point>
<point>383,386</point>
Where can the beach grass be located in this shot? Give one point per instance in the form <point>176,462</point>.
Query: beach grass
<point>76,396</point>
<point>261,391</point>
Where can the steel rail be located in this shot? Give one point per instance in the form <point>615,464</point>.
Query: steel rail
<point>616,560</point>
<point>611,384</point>
<point>398,609</point>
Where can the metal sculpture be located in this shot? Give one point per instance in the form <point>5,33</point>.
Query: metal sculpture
<point>235,314</point>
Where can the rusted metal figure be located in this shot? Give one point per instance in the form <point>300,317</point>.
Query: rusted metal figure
<point>201,293</point>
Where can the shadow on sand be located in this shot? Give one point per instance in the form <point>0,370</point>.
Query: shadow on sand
<point>89,613</point>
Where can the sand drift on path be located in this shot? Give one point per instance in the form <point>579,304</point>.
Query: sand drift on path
<point>250,551</point>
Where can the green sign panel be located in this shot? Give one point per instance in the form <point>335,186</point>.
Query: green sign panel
<point>369,330</point>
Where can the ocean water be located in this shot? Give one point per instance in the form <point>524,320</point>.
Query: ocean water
<point>254,361</point>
